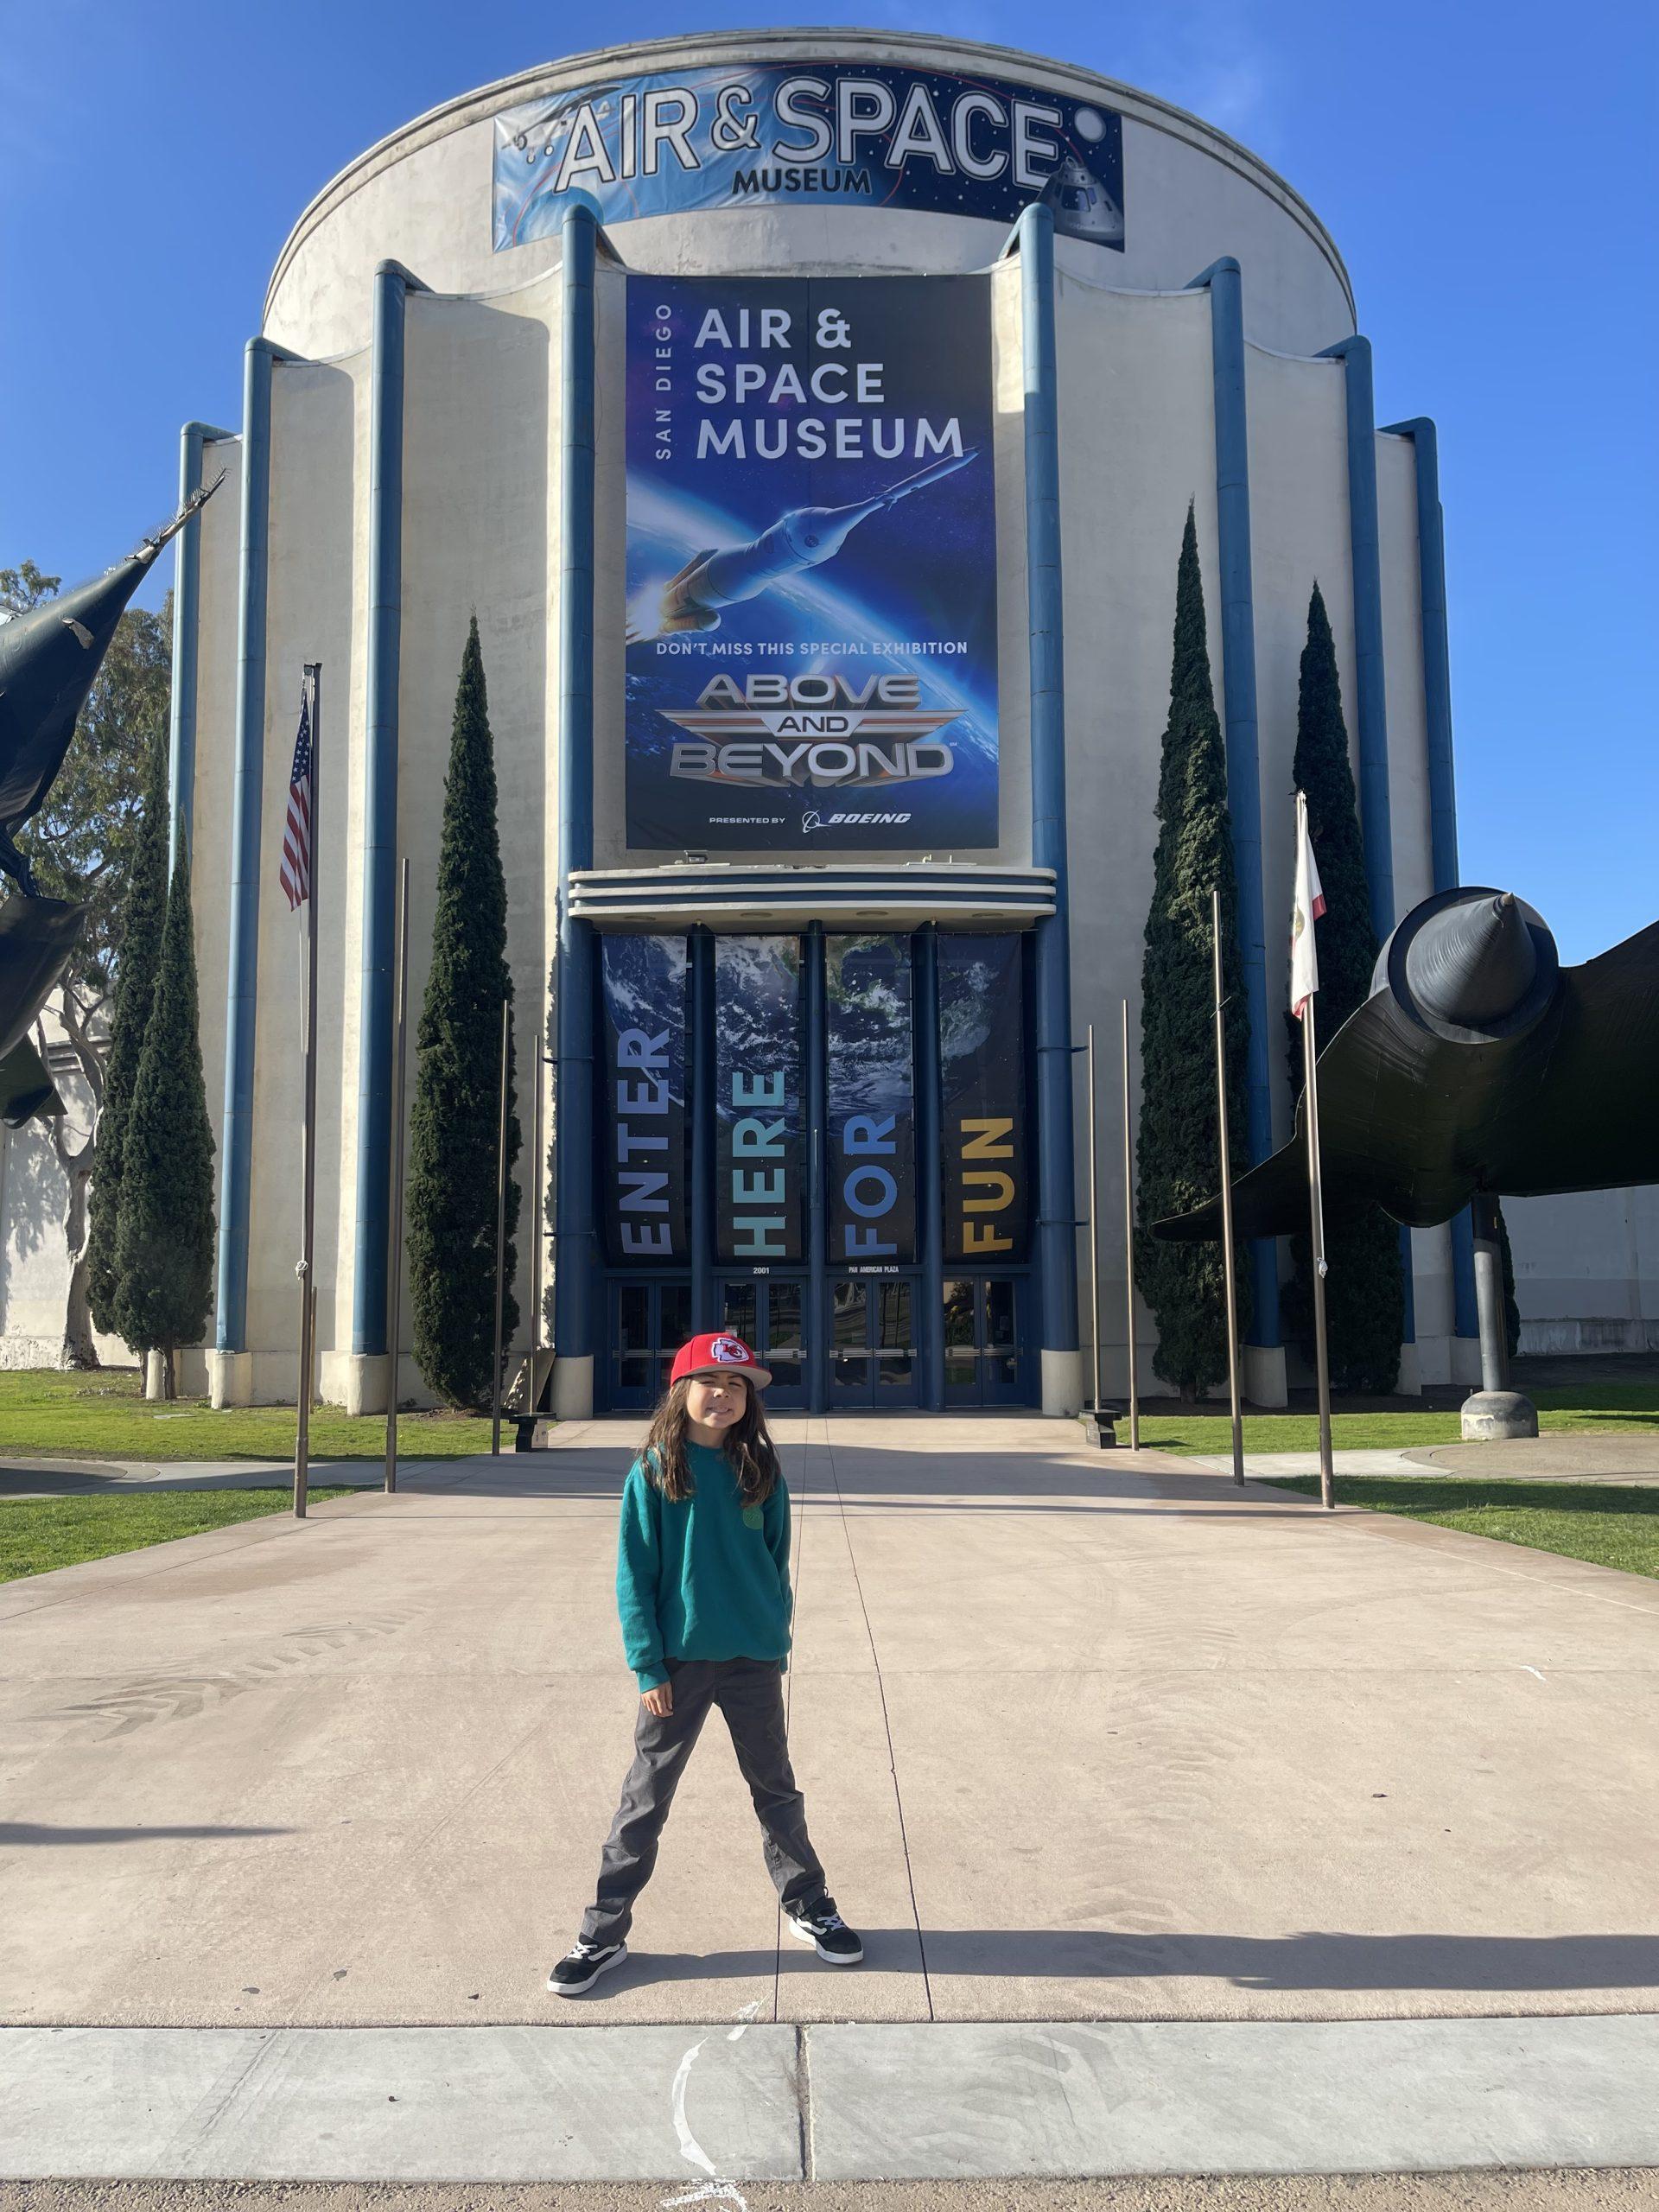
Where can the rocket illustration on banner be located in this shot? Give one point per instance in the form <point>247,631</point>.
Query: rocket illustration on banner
<point>804,537</point>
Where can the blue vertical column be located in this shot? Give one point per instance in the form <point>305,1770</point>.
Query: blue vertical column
<point>186,612</point>
<point>576,1282</point>
<point>703,1105</point>
<point>1057,1244</point>
<point>392,284</point>
<point>814,1010</point>
<point>1226,291</point>
<point>242,985</point>
<point>1370,686</point>
<point>930,1148</point>
<point>1370,682</point>
<point>1442,787</point>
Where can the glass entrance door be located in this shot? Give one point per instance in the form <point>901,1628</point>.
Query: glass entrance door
<point>873,1361</point>
<point>982,1341</point>
<point>649,1322</point>
<point>765,1311</point>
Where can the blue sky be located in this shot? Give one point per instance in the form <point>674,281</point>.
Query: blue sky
<point>1486,169</point>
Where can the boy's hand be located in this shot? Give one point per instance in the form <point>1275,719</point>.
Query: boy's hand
<point>659,1700</point>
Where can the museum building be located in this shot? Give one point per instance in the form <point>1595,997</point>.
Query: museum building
<point>811,420</point>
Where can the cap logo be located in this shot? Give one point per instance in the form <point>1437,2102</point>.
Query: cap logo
<point>728,1352</point>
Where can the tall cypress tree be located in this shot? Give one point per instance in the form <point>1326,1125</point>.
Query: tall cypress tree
<point>452,1132</point>
<point>164,1239</point>
<point>142,917</point>
<point>1178,1153</point>
<point>1364,1292</point>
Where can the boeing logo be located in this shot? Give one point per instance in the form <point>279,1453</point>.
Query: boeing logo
<point>812,820</point>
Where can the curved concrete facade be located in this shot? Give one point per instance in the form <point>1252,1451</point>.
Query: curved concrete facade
<point>422,196</point>
<point>418,450</point>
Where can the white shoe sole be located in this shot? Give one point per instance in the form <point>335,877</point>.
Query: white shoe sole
<point>831,1958</point>
<point>577,1989</point>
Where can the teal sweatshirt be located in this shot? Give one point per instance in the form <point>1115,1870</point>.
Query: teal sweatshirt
<point>701,1577</point>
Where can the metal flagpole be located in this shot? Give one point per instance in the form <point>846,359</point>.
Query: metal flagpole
<point>395,1255</point>
<point>500,1234</point>
<point>309,1125</point>
<point>1316,1208</point>
<point>1129,1238</point>
<point>1226,1195</point>
<point>1094,1223</point>
<point>535,1186</point>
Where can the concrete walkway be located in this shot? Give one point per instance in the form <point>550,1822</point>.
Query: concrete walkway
<point>1619,1453</point>
<point>1087,1739</point>
<point>55,1477</point>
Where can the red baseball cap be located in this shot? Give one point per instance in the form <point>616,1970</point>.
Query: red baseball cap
<point>721,1353</point>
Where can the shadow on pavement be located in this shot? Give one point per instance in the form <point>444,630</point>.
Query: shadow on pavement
<point>1313,1960</point>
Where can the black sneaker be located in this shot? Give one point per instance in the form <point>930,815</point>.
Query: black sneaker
<point>582,1965</point>
<point>822,1925</point>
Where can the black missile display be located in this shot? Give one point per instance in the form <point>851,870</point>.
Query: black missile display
<point>36,938</point>
<point>804,537</point>
<point>49,659</point>
<point>1478,1064</point>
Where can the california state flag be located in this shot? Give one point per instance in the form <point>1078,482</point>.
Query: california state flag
<point>1308,906</point>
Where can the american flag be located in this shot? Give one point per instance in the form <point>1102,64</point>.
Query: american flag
<point>295,871</point>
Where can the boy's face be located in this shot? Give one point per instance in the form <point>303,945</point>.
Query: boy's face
<point>716,1401</point>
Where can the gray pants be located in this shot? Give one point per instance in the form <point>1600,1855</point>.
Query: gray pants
<point>750,1693</point>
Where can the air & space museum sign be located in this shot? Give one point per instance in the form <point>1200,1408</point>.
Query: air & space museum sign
<point>811,564</point>
<point>834,133</point>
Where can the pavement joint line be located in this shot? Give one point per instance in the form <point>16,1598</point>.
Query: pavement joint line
<point>886,1729</point>
<point>803,2098</point>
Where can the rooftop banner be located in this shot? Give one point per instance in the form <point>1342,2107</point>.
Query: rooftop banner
<point>837,134</point>
<point>811,564</point>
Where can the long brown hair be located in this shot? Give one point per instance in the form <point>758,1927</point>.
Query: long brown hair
<point>747,1444</point>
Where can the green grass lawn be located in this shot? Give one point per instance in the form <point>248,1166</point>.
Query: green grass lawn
<point>1590,1406</point>
<point>106,1416</point>
<point>37,1534</point>
<point>1608,1524</point>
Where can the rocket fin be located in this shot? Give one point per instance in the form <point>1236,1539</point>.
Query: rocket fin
<point>680,575</point>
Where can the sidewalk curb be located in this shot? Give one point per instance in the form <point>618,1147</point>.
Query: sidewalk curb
<point>850,2101</point>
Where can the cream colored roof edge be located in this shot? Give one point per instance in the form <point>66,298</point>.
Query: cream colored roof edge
<point>551,76</point>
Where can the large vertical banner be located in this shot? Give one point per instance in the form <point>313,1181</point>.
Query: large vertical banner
<point>644,1108</point>
<point>872,1092</point>
<point>811,564</point>
<point>981,1065</point>
<point>759,1107</point>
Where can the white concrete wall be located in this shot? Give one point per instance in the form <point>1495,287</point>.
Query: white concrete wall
<point>1437,1358</point>
<point>217,601</point>
<point>422,197</point>
<point>480,529</point>
<point>1299,537</point>
<point>1137,439</point>
<point>314,584</point>
<point>35,1260</point>
<point>1586,1271</point>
